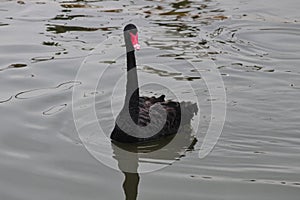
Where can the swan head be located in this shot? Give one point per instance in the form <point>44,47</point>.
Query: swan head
<point>131,37</point>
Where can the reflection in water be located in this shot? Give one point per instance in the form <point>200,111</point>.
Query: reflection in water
<point>160,72</point>
<point>74,5</point>
<point>130,185</point>
<point>130,155</point>
<point>63,29</point>
<point>134,146</point>
<point>68,17</point>
<point>258,156</point>
<point>128,164</point>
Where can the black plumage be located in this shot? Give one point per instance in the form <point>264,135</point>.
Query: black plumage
<point>143,111</point>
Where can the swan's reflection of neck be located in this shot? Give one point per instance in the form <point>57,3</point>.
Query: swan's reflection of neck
<point>128,158</point>
<point>128,164</point>
<point>130,185</point>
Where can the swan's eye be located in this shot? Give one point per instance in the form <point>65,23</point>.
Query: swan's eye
<point>135,41</point>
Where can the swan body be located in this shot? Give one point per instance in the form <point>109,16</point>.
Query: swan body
<point>143,111</point>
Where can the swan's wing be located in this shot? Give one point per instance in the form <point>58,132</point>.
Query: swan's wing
<point>145,103</point>
<point>177,113</point>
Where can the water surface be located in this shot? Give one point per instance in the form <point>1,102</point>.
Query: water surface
<point>254,45</point>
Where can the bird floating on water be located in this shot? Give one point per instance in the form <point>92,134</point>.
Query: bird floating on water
<point>164,117</point>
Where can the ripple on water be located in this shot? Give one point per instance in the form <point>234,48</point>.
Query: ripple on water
<point>6,100</point>
<point>263,41</point>
<point>15,65</point>
<point>3,24</point>
<point>254,152</point>
<point>78,5</point>
<point>42,58</point>
<point>55,109</point>
<point>22,49</point>
<point>63,29</point>
<point>47,91</point>
<point>279,42</point>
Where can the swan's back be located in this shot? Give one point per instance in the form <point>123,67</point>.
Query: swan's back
<point>177,114</point>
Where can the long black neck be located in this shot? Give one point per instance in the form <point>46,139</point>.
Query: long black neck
<point>132,88</point>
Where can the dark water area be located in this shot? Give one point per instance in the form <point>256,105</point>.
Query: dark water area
<point>253,45</point>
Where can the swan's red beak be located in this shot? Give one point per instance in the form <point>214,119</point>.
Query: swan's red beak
<point>135,41</point>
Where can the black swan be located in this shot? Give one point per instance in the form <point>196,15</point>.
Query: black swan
<point>164,117</point>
